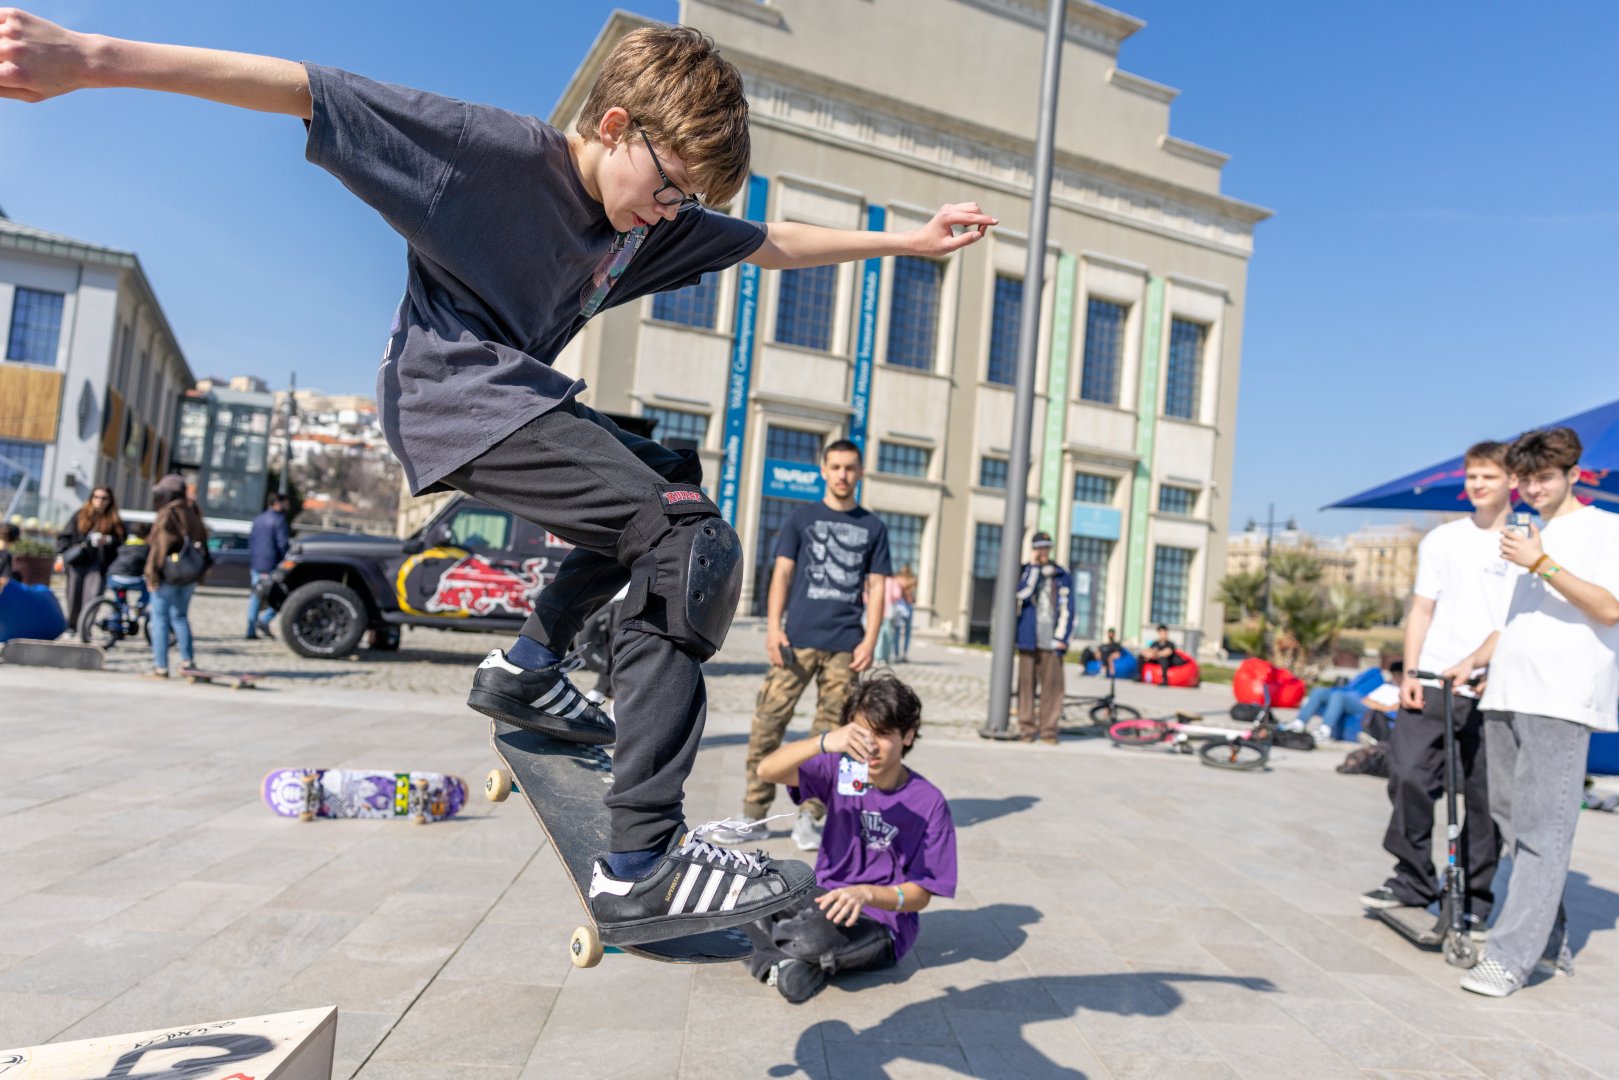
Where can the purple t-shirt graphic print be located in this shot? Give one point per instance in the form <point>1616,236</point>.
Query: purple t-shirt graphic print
<point>882,838</point>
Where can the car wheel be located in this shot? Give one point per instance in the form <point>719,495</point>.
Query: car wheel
<point>323,619</point>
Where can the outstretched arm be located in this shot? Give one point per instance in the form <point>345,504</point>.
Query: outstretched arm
<point>791,245</point>
<point>40,60</point>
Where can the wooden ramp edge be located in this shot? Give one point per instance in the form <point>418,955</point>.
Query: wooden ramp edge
<point>276,1046</point>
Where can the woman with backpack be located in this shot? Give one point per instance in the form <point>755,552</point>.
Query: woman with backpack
<point>176,558</point>
<point>88,546</point>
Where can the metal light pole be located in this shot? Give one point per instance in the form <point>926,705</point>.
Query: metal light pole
<point>1270,533</point>
<point>1003,622</point>
<point>286,445</point>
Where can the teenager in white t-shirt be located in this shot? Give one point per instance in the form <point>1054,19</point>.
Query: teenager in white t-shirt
<point>1553,678</point>
<point>1461,594</point>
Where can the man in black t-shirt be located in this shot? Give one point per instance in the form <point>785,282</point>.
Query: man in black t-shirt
<point>831,569</point>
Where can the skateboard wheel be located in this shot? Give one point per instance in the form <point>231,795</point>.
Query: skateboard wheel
<point>585,948</point>
<point>497,785</point>
<point>305,815</point>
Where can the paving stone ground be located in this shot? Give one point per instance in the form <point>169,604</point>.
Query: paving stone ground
<point>1122,913</point>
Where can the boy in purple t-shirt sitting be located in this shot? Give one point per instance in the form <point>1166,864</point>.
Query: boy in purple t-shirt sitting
<point>889,845</point>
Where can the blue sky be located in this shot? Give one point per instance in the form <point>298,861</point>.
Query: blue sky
<point>1443,177</point>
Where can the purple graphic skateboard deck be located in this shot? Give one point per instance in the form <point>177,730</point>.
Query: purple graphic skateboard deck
<point>364,793</point>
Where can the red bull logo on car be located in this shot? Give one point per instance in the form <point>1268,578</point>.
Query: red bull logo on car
<point>456,584</point>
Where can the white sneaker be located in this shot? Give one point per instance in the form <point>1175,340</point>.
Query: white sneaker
<point>738,830</point>
<point>1489,978</point>
<point>806,834</point>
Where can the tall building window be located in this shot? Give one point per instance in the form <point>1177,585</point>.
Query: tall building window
<point>1005,315</point>
<point>992,472</point>
<point>1104,348</point>
<point>791,444</point>
<point>773,514</point>
<point>1183,385</point>
<point>1171,573</point>
<point>805,305</point>
<point>913,312</point>
<point>1088,553</point>
<point>904,539</point>
<point>36,327</point>
<point>902,460</point>
<point>1093,488</point>
<point>695,305</point>
<point>19,461</point>
<point>986,550</point>
<point>677,428</point>
<point>1177,500</point>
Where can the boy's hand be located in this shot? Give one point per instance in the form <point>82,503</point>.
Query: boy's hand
<point>938,237</point>
<point>852,739</point>
<point>39,59</point>
<point>1523,550</point>
<point>776,645</point>
<point>1410,693</point>
<point>842,906</point>
<point>862,658</point>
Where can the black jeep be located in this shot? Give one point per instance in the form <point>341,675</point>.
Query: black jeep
<point>472,567</point>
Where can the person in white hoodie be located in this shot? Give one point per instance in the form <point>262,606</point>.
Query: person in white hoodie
<point>1553,679</point>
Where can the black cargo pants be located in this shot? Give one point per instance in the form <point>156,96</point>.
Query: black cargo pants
<point>575,472</point>
<point>1416,758</point>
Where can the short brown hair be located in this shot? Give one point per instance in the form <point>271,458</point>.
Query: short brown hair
<point>1547,448</point>
<point>888,705</point>
<point>1488,450</point>
<point>686,96</point>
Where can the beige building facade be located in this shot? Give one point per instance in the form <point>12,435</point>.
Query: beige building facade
<point>854,125</point>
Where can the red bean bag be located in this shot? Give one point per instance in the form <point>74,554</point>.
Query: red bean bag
<point>1255,675</point>
<point>1185,673</point>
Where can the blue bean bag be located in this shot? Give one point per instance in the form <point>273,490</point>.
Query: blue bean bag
<point>30,611</point>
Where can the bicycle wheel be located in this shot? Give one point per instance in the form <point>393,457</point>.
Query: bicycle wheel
<point>1108,715</point>
<point>101,624</point>
<point>1137,732</point>
<point>1234,754</point>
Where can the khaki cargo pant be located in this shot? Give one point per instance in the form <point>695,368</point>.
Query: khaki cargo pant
<point>778,697</point>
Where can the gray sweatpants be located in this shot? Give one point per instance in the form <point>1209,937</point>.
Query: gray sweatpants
<point>581,476</point>
<point>1537,775</point>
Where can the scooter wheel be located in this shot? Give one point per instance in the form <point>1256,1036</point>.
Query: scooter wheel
<point>1460,950</point>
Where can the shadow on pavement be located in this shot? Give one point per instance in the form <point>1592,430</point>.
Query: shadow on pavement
<point>1590,908</point>
<point>968,812</point>
<point>990,933</point>
<point>902,1035</point>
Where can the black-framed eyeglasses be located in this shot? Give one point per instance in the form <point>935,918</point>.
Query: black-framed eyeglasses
<point>669,194</point>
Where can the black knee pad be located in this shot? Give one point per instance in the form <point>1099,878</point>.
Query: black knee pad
<point>687,587</point>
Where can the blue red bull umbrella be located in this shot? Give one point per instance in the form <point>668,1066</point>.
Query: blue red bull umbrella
<point>1439,487</point>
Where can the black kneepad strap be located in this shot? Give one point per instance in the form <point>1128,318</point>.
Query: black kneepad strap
<point>698,577</point>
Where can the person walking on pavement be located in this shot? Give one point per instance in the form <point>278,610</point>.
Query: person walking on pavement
<point>1461,595</point>
<point>1045,619</point>
<point>831,570</point>
<point>87,546</point>
<point>178,524</point>
<point>267,545</point>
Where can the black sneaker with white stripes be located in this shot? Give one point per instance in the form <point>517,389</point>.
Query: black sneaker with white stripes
<point>698,886</point>
<point>543,701</point>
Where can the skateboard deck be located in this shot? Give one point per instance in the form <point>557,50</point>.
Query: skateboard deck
<point>230,679</point>
<point>364,793</point>
<point>32,652</point>
<point>564,784</point>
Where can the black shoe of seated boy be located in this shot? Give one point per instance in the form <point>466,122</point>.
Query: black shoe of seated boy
<point>797,980</point>
<point>698,886</point>
<point>544,701</point>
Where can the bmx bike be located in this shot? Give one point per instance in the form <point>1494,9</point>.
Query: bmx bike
<point>116,616</point>
<point>1105,709</point>
<point>1222,748</point>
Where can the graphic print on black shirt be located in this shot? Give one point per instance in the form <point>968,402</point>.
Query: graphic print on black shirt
<point>833,552</point>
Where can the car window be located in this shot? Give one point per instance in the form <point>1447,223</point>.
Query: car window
<point>481,530</point>
<point>227,543</point>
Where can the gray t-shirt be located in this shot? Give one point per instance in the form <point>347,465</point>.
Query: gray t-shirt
<point>502,240</point>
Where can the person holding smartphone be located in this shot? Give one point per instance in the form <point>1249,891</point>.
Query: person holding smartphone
<point>825,611</point>
<point>1461,594</point>
<point>889,847</point>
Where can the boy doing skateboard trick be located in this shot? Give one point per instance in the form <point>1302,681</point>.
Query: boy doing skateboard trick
<point>517,233</point>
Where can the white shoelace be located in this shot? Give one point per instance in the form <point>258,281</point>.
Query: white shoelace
<point>695,845</point>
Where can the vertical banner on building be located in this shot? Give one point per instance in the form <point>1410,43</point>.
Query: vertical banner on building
<point>1062,325</point>
<point>1135,566</point>
<point>736,392</point>
<point>865,348</point>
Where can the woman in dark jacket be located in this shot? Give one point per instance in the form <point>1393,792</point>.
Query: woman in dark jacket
<point>88,546</point>
<point>178,522</point>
